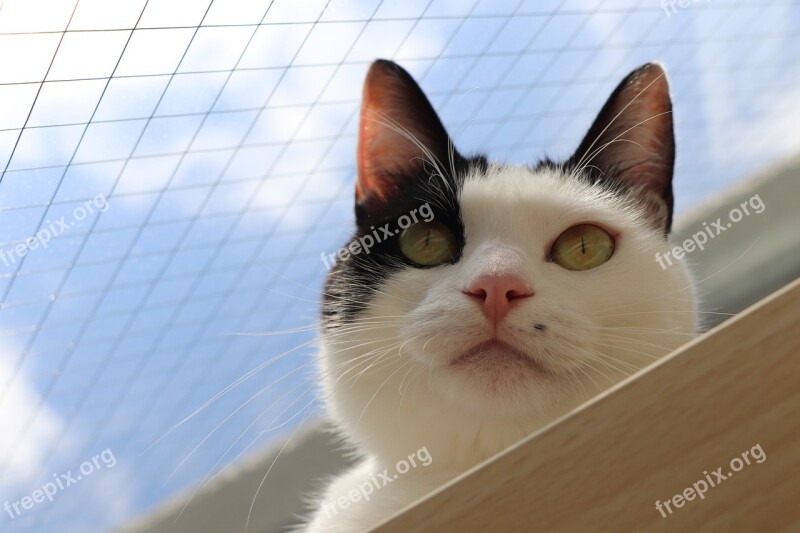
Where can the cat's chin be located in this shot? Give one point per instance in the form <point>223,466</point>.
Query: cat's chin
<point>499,377</point>
<point>495,359</point>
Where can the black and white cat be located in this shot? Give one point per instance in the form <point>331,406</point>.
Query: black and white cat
<point>526,291</point>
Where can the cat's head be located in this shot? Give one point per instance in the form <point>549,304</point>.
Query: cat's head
<point>485,293</point>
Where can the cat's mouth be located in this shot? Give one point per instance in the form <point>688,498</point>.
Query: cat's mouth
<point>496,355</point>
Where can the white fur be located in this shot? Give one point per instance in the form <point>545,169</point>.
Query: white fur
<point>410,397</point>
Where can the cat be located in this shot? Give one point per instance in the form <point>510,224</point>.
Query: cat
<point>528,291</point>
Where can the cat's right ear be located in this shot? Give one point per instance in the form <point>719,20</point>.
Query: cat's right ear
<point>631,143</point>
<point>400,136</point>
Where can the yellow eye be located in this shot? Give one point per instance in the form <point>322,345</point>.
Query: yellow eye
<point>582,247</point>
<point>428,243</point>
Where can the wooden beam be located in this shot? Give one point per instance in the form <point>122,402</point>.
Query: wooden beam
<point>604,466</point>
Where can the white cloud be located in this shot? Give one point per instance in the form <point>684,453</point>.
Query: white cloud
<point>23,445</point>
<point>29,429</point>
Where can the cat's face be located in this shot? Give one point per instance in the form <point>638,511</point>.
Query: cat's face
<point>524,291</point>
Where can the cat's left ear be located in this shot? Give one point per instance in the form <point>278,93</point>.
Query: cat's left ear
<point>631,143</point>
<point>400,137</point>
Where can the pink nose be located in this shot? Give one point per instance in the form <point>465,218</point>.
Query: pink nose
<point>496,294</point>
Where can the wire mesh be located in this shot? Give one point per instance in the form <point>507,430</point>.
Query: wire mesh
<point>172,171</point>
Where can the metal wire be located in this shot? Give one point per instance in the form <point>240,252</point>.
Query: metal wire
<point>120,325</point>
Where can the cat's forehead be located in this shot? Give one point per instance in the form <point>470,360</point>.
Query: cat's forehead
<point>513,183</point>
<point>509,200</point>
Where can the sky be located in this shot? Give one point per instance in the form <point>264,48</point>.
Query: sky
<point>173,169</point>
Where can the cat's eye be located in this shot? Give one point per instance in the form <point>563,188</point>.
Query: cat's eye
<point>582,247</point>
<point>428,243</point>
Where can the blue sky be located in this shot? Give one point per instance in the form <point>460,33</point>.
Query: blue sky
<point>225,156</point>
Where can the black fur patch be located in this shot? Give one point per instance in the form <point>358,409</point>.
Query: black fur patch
<point>352,283</point>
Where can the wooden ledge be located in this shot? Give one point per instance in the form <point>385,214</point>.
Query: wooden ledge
<point>604,466</point>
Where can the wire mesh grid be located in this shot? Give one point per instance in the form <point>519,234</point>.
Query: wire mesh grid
<point>172,171</point>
